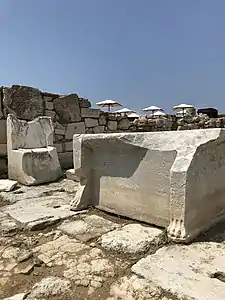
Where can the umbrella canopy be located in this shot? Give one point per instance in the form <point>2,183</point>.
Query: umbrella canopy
<point>109,104</point>
<point>183,106</point>
<point>133,115</point>
<point>152,108</point>
<point>124,110</point>
<point>159,113</point>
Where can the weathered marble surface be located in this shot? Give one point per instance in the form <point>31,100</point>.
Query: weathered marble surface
<point>7,185</point>
<point>163,178</point>
<point>37,207</point>
<point>132,239</point>
<point>94,255</point>
<point>32,158</point>
<point>188,272</point>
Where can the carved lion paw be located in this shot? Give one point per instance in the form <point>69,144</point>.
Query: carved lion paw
<point>176,230</point>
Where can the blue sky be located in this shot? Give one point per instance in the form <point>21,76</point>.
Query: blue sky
<point>139,52</point>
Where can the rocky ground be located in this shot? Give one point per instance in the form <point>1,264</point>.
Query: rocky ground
<point>49,252</point>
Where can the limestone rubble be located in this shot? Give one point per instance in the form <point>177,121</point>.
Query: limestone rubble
<point>94,255</point>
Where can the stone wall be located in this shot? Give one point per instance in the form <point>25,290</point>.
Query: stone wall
<point>171,123</point>
<point>72,114</point>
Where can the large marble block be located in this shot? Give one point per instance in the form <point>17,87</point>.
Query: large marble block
<point>32,158</point>
<point>171,179</point>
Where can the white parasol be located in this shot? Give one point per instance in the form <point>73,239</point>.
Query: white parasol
<point>159,113</point>
<point>182,108</point>
<point>133,115</point>
<point>123,111</point>
<point>152,109</point>
<point>109,104</point>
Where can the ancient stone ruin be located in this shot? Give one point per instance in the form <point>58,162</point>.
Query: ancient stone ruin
<point>89,232</point>
<point>72,114</point>
<point>32,158</point>
<point>170,179</point>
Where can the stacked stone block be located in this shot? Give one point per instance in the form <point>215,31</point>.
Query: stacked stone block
<point>72,114</point>
<point>155,124</point>
<point>200,122</point>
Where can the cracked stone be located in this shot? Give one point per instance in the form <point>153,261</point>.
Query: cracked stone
<point>7,185</point>
<point>92,269</point>
<point>59,251</point>
<point>9,261</point>
<point>42,223</point>
<point>24,269</point>
<point>35,212</point>
<point>49,286</point>
<point>25,257</point>
<point>7,224</point>
<point>188,272</point>
<point>132,238</point>
<point>17,297</point>
<point>64,187</point>
<point>134,288</point>
<point>84,265</point>
<point>88,228</point>
<point>70,174</point>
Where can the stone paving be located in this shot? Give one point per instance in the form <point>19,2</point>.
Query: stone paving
<point>49,252</point>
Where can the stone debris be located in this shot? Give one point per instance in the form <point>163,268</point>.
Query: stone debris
<point>39,207</point>
<point>195,272</point>
<point>88,228</point>
<point>84,265</point>
<point>132,238</point>
<point>70,174</point>
<point>59,251</point>
<point>41,224</point>
<point>26,270</point>
<point>25,257</point>
<point>92,269</point>
<point>32,210</point>
<point>65,186</point>
<point>49,286</point>
<point>7,185</point>
<point>134,288</point>
<point>9,256</point>
<point>7,224</point>
<point>21,296</point>
<point>93,256</point>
